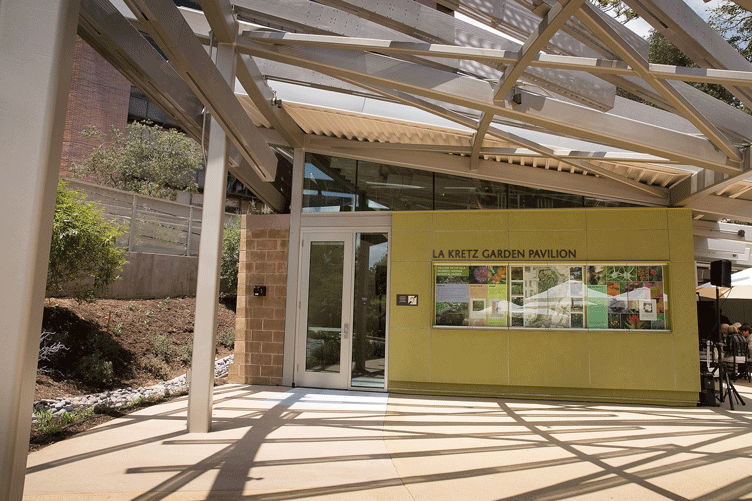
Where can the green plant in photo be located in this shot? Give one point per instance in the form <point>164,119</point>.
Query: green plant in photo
<point>118,328</point>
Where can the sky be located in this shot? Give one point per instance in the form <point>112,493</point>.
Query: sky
<point>637,25</point>
<point>643,29</point>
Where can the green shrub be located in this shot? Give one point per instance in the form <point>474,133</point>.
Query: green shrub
<point>156,366</point>
<point>82,248</point>
<point>186,354</point>
<point>104,345</point>
<point>49,424</point>
<point>163,347</point>
<point>226,338</point>
<point>228,273</point>
<point>95,370</point>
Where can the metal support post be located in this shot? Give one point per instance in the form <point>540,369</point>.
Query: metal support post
<point>132,227</point>
<point>293,271</point>
<point>209,258</point>
<point>190,232</point>
<point>38,40</point>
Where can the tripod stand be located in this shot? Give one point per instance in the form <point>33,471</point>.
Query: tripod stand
<point>715,353</point>
<point>723,376</point>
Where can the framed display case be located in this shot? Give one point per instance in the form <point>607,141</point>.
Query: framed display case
<point>550,296</point>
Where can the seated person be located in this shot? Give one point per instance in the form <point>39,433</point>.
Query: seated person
<point>744,330</point>
<point>724,333</point>
<point>733,338</point>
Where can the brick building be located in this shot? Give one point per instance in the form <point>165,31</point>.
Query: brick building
<point>99,96</point>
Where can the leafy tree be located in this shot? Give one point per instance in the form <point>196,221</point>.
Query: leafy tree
<point>619,9</point>
<point>82,247</point>
<point>734,23</point>
<point>664,52</point>
<point>146,159</point>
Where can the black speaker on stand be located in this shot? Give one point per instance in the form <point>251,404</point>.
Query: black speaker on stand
<point>720,276</point>
<point>720,273</point>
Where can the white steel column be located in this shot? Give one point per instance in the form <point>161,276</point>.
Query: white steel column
<point>37,39</point>
<point>209,258</point>
<point>293,267</point>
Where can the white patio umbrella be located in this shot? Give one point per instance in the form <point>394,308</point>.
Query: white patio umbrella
<point>741,287</point>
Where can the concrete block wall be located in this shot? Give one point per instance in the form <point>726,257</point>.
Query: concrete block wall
<point>147,276</point>
<point>260,321</point>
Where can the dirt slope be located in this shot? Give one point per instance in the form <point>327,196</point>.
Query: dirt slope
<point>126,333</point>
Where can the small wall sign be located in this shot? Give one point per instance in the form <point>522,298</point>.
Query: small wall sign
<point>407,300</point>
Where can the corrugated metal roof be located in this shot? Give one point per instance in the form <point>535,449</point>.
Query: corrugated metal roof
<point>329,122</point>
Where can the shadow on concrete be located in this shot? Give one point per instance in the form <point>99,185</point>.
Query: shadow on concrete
<point>269,443</point>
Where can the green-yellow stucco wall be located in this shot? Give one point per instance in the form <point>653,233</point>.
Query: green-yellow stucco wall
<point>660,367</point>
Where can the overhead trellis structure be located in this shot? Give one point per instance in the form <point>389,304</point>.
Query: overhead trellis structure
<point>520,92</point>
<point>511,91</point>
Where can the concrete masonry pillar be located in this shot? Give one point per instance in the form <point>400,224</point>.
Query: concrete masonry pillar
<point>37,39</point>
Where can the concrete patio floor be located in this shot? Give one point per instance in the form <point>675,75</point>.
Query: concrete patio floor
<point>275,443</point>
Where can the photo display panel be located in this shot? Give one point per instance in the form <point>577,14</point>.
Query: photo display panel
<point>634,297</point>
<point>471,295</point>
<point>550,296</point>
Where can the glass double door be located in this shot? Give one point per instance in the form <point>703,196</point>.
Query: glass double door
<point>341,342</point>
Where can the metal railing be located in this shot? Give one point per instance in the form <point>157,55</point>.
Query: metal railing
<point>151,225</point>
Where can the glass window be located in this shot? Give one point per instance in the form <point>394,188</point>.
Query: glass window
<point>463,193</point>
<point>386,187</point>
<point>369,310</point>
<point>594,202</point>
<point>334,184</point>
<point>324,329</point>
<point>521,197</point>
<point>329,184</point>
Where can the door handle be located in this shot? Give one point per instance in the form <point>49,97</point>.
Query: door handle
<point>345,331</point>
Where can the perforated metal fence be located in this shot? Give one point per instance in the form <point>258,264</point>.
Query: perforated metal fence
<point>151,225</point>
